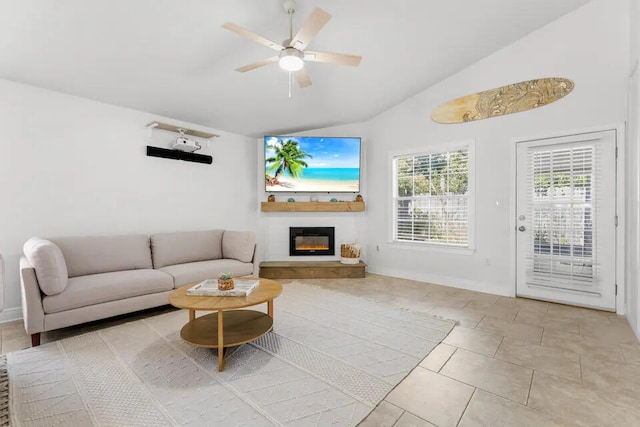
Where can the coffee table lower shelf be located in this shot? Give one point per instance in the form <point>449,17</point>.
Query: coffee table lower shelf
<point>239,327</point>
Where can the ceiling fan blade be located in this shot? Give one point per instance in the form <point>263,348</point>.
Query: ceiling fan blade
<point>252,36</point>
<point>258,64</point>
<point>333,58</point>
<point>312,26</point>
<point>302,77</point>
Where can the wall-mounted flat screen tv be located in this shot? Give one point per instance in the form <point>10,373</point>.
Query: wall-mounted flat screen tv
<point>311,164</point>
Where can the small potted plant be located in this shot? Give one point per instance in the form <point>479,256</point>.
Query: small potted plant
<point>225,281</point>
<point>359,198</point>
<point>271,198</point>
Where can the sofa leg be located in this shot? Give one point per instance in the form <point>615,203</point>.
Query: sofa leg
<point>35,339</point>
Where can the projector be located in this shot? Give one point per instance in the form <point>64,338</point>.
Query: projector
<point>186,144</point>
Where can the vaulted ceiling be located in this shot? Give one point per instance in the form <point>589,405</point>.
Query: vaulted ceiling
<point>171,57</point>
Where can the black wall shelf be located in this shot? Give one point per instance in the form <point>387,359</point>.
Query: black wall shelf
<point>178,155</point>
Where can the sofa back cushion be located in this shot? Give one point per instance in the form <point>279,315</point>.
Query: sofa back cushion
<point>104,254</point>
<point>47,259</point>
<point>238,245</point>
<point>187,246</point>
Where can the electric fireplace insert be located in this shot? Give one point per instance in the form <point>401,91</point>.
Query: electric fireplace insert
<point>311,241</point>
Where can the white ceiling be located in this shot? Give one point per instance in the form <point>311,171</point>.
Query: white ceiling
<point>171,57</point>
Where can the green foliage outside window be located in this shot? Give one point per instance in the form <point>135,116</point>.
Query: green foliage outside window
<point>430,190</point>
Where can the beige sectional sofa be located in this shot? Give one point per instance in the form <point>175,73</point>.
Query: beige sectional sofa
<point>71,280</point>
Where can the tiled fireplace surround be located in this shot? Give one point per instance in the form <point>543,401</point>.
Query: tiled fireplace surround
<point>349,228</point>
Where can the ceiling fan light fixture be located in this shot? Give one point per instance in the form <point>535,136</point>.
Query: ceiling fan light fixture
<point>291,59</point>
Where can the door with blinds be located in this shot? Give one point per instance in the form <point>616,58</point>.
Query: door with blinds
<point>566,219</point>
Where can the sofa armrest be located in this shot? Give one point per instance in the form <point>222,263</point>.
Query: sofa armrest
<point>32,310</point>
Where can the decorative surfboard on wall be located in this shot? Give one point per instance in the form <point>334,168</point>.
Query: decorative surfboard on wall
<point>513,98</point>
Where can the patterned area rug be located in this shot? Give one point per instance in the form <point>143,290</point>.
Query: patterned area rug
<point>331,359</point>
<point>4,392</point>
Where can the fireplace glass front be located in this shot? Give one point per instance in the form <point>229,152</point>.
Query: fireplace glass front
<point>310,241</point>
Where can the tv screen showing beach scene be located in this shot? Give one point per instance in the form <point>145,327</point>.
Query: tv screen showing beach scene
<point>312,164</point>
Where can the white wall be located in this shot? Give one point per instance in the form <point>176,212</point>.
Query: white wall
<point>633,176</point>
<point>71,166</point>
<point>589,46</point>
<point>350,226</point>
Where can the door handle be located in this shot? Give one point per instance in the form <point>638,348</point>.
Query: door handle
<point>521,228</point>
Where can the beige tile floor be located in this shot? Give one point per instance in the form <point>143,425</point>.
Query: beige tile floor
<point>508,361</point>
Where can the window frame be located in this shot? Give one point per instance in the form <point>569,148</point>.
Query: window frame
<point>471,218</point>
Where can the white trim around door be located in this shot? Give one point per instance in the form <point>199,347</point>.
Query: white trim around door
<point>620,203</point>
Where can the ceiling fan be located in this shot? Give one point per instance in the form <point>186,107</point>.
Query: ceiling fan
<point>292,51</point>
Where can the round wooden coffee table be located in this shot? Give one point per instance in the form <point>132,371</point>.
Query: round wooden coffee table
<point>226,328</point>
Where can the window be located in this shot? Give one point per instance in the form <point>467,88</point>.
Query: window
<point>432,197</point>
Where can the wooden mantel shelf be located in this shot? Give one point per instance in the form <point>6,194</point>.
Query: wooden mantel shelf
<point>312,207</point>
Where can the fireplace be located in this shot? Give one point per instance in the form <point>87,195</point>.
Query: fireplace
<point>310,241</point>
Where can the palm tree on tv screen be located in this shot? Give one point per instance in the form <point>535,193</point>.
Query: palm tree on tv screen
<point>288,158</point>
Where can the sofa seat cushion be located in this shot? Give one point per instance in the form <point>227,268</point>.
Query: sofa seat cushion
<point>93,289</point>
<point>194,272</point>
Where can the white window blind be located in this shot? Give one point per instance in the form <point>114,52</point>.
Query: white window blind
<point>563,204</point>
<point>431,198</point>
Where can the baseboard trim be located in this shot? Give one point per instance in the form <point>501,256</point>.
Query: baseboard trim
<point>10,314</point>
<point>454,282</point>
